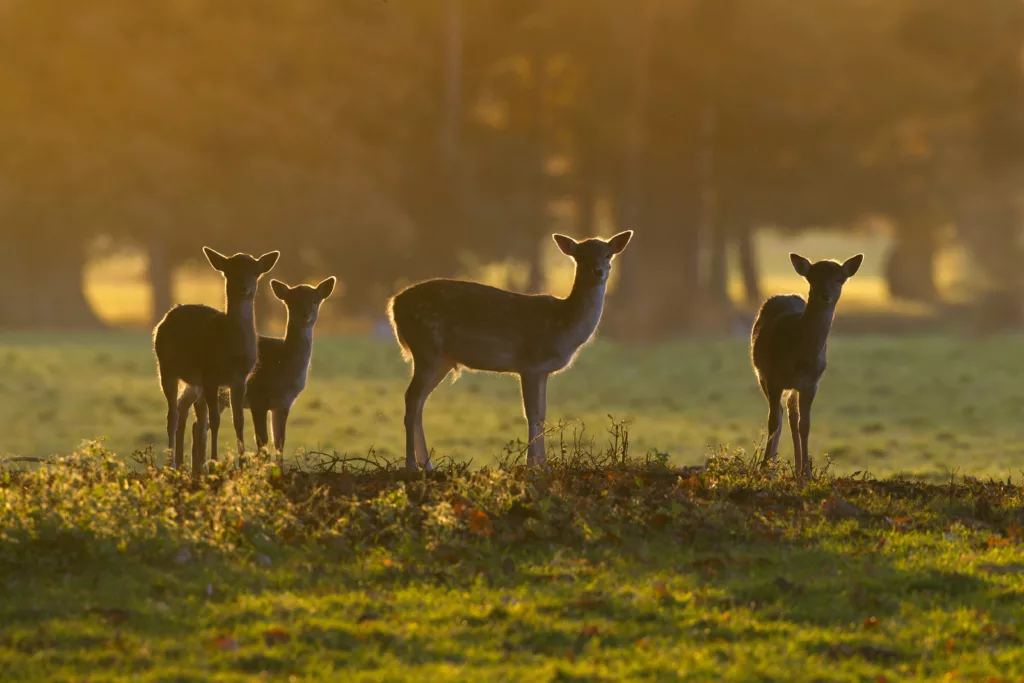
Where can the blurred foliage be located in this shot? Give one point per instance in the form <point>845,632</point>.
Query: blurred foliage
<point>386,142</point>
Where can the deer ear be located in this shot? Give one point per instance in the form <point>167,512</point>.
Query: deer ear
<point>619,242</point>
<point>267,261</point>
<point>325,288</point>
<point>217,260</point>
<point>852,264</point>
<point>800,264</point>
<point>280,289</point>
<point>566,244</point>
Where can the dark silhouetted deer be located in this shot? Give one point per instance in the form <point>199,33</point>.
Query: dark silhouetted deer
<point>444,325</point>
<point>209,349</point>
<point>789,344</point>
<point>280,375</point>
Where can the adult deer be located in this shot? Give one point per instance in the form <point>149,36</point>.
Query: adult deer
<point>209,349</point>
<point>789,345</point>
<point>444,325</point>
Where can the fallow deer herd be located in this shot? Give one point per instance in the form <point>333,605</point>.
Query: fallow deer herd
<point>208,359</point>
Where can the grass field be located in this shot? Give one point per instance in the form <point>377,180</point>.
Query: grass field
<point>621,563</point>
<point>606,569</point>
<point>923,406</point>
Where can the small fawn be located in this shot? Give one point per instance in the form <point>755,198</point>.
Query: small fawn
<point>282,366</point>
<point>789,344</point>
<point>444,325</point>
<point>209,349</point>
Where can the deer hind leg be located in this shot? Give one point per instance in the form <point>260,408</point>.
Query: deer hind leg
<point>238,414</point>
<point>279,418</point>
<point>200,428</point>
<point>793,409</point>
<point>213,410</point>
<point>259,425</point>
<point>186,399</point>
<point>425,378</point>
<point>534,388</point>
<point>806,399</point>
<point>771,449</point>
<point>169,385</point>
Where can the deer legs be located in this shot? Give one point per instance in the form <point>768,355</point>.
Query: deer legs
<point>806,399</point>
<point>771,448</point>
<point>425,378</point>
<point>237,413</point>
<point>279,418</point>
<point>259,425</point>
<point>535,389</point>
<point>170,388</point>
<point>793,410</point>
<point>798,405</point>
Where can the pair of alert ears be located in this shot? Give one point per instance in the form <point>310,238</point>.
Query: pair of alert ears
<point>615,245</point>
<point>324,289</point>
<point>850,266</point>
<point>264,264</point>
<point>222,263</point>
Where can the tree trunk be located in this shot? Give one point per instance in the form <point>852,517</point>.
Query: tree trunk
<point>46,278</point>
<point>161,278</point>
<point>909,268</point>
<point>749,270</point>
<point>718,270</point>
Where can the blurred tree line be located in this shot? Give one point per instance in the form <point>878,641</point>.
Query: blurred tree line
<point>390,141</point>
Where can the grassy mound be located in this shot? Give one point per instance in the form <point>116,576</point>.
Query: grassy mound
<point>606,567</point>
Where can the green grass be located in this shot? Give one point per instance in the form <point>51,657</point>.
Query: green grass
<point>924,406</point>
<point>605,569</point>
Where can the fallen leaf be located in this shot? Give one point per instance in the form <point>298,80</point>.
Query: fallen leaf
<point>644,643</point>
<point>480,523</point>
<point>996,542</point>
<point>949,645</point>
<point>871,623</point>
<point>224,643</point>
<point>692,482</point>
<point>275,636</point>
<point>660,590</point>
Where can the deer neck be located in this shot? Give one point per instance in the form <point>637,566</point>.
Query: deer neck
<point>584,304</point>
<point>241,312</point>
<point>298,340</point>
<point>815,324</point>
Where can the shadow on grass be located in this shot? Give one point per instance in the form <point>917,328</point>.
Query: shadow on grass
<point>504,564</point>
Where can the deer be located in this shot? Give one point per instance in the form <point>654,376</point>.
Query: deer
<point>206,348</point>
<point>788,348</point>
<point>444,326</point>
<point>282,366</point>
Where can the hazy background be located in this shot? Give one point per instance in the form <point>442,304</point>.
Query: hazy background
<point>385,142</point>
